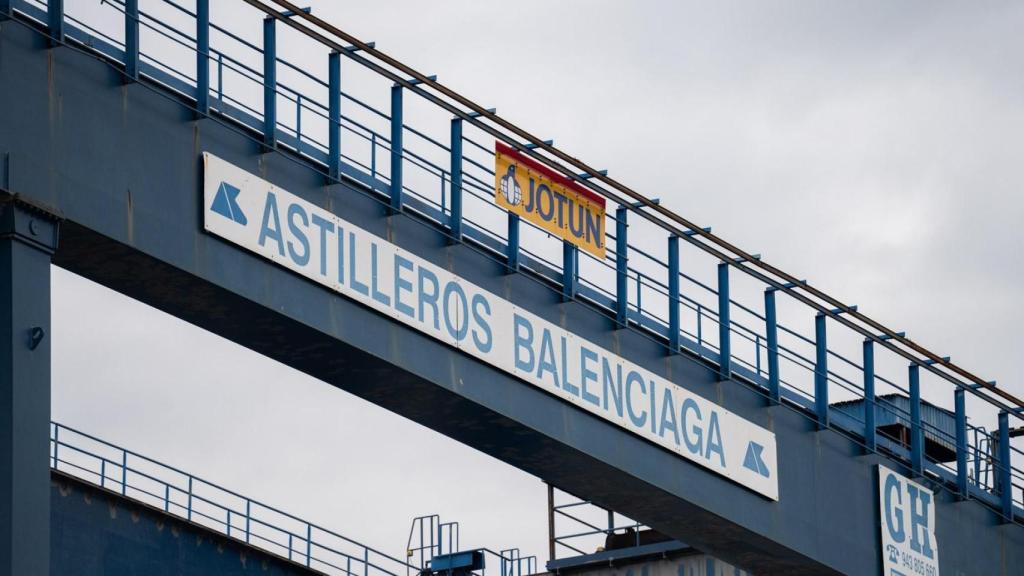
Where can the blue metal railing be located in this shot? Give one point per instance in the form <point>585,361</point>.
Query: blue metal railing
<point>191,498</point>
<point>637,284</point>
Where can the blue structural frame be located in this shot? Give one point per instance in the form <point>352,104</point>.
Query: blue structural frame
<point>673,295</point>
<point>869,432</point>
<point>455,169</point>
<point>28,239</point>
<point>772,345</point>
<point>570,268</point>
<point>334,114</point>
<point>396,149</point>
<point>916,433</point>
<point>820,372</point>
<point>724,324</point>
<point>621,266</point>
<point>105,226</point>
<point>270,82</point>
<point>131,39</point>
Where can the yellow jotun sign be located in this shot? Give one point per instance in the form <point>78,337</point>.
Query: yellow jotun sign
<point>555,203</point>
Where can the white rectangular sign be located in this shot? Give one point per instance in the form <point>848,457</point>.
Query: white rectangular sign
<point>253,213</point>
<point>907,521</point>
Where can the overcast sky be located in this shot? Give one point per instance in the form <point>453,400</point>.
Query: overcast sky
<point>876,148</point>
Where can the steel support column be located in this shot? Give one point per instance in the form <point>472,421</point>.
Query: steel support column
<point>513,243</point>
<point>570,267</point>
<point>870,434</point>
<point>334,115</point>
<point>820,372</point>
<point>131,39</point>
<point>269,82</point>
<point>1003,470</point>
<point>673,294</point>
<point>396,148</point>
<point>203,57</point>
<point>724,334</point>
<point>961,442</point>
<point>28,238</point>
<point>916,434</point>
<point>55,20</point>
<point>772,335</point>
<point>455,220</point>
<point>621,266</point>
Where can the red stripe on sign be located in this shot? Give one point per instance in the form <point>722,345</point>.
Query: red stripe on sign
<point>550,174</point>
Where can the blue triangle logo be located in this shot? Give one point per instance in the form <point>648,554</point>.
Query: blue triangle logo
<point>225,203</point>
<point>753,461</point>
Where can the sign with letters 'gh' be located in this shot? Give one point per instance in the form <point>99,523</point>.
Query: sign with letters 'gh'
<point>300,236</point>
<point>907,521</point>
<point>557,204</point>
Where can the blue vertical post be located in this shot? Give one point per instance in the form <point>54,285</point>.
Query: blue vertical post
<point>28,238</point>
<point>270,82</point>
<point>334,115</point>
<point>513,242</point>
<point>396,148</point>
<point>870,438</point>
<point>570,265</point>
<point>131,39</point>
<point>772,335</point>
<point>5,10</point>
<point>203,57</point>
<point>916,436</point>
<point>1005,478</point>
<point>455,224</point>
<point>621,266</point>
<point>961,442</point>
<point>724,334</point>
<point>820,371</point>
<point>673,294</point>
<point>55,20</point>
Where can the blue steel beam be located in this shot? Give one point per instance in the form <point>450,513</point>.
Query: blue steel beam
<point>621,266</point>
<point>270,82</point>
<point>570,263</point>
<point>131,39</point>
<point>960,411</point>
<point>870,434</point>
<point>28,239</point>
<point>820,372</point>
<point>203,58</point>
<point>772,335</point>
<point>724,332</point>
<point>55,21</point>
<point>455,169</point>
<point>396,149</point>
<point>1003,468</point>
<point>673,294</point>
<point>916,433</point>
<point>334,115</point>
<point>512,257</point>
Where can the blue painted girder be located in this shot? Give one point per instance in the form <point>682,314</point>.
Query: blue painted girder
<point>123,164</point>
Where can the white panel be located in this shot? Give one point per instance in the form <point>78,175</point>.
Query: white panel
<point>255,214</point>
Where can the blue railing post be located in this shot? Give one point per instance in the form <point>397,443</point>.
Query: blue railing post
<point>870,437</point>
<point>131,39</point>
<point>270,81</point>
<point>673,294</point>
<point>513,242</point>
<point>916,435</point>
<point>334,115</point>
<point>124,472</point>
<point>724,334</point>
<point>309,543</point>
<point>248,517</point>
<point>961,442</point>
<point>455,219</point>
<point>55,20</point>
<point>203,58</point>
<point>5,10</point>
<point>820,371</point>
<point>1003,469</point>
<point>621,266</point>
<point>772,335</point>
<point>396,148</point>
<point>570,264</point>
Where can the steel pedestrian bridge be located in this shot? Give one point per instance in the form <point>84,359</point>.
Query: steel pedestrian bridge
<point>108,110</point>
